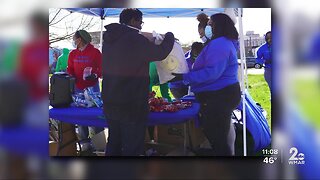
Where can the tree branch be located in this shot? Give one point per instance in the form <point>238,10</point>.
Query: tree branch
<point>54,16</point>
<point>59,20</point>
<point>85,23</point>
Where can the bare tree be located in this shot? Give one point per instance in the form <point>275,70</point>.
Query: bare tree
<point>60,21</point>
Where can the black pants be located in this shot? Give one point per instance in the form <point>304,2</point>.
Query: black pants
<point>127,128</point>
<point>216,109</point>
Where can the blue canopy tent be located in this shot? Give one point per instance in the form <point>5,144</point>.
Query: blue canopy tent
<point>147,12</point>
<point>183,12</point>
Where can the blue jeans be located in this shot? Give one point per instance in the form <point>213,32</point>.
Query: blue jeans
<point>84,130</point>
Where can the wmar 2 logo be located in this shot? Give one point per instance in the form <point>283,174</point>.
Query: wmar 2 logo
<point>296,157</point>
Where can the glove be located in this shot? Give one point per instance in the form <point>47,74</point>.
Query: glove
<point>178,77</point>
<point>92,77</point>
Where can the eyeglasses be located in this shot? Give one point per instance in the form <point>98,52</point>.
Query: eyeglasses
<point>141,22</point>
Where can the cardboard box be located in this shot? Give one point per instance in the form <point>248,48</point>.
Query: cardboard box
<point>66,146</point>
<point>174,134</point>
<point>53,148</point>
<point>100,140</point>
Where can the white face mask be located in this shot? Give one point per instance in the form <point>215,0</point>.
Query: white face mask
<point>204,39</point>
<point>208,32</point>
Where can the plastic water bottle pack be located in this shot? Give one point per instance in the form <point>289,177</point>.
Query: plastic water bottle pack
<point>94,97</point>
<point>88,99</point>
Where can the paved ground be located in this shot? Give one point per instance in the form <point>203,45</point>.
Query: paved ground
<point>255,71</point>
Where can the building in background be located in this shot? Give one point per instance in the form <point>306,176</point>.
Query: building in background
<point>251,42</point>
<point>95,39</point>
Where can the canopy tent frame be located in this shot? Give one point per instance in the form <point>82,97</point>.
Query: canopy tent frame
<point>187,12</point>
<point>147,12</point>
<point>244,81</point>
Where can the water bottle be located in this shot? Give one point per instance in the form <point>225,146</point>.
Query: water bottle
<point>86,72</point>
<point>88,98</point>
<point>79,101</point>
<point>93,97</point>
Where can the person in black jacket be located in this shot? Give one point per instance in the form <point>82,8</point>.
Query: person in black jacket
<point>125,86</point>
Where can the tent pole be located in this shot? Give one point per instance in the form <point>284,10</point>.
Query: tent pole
<point>243,89</point>
<point>101,34</point>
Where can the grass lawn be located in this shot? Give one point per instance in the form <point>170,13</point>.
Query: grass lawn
<point>258,89</point>
<point>307,95</point>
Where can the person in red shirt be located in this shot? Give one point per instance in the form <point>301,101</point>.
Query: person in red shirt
<point>33,59</point>
<point>85,56</point>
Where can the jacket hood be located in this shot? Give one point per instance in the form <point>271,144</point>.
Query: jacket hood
<point>65,51</point>
<point>114,32</point>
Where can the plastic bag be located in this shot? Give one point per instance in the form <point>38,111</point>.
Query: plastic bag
<point>174,63</point>
<point>93,97</point>
<point>79,100</point>
<point>87,99</point>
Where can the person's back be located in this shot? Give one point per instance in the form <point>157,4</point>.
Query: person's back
<point>126,57</point>
<point>63,60</point>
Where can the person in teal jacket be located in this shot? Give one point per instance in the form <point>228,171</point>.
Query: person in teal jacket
<point>9,57</point>
<point>63,60</point>
<point>154,81</point>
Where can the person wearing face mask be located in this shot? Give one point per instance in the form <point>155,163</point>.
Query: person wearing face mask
<point>214,81</point>
<point>264,56</point>
<point>85,55</point>
<point>125,87</point>
<point>203,20</point>
<point>177,88</point>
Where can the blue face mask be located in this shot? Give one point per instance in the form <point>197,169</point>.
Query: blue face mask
<point>208,32</point>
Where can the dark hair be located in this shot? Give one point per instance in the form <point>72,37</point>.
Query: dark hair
<point>196,47</point>
<point>224,26</point>
<point>41,20</point>
<point>127,14</point>
<point>203,20</point>
<point>265,36</point>
<point>77,34</point>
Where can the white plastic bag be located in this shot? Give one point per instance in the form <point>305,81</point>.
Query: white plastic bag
<point>174,63</point>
